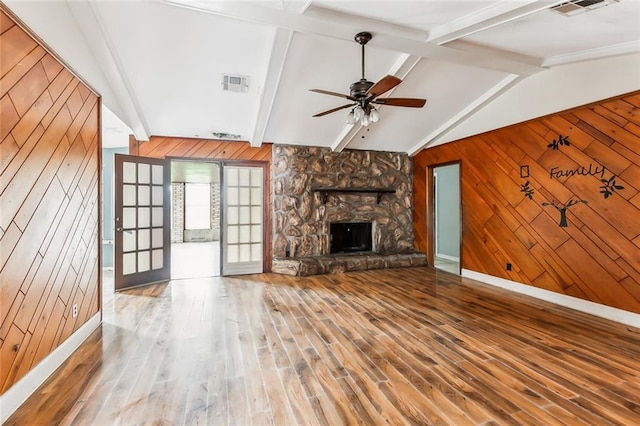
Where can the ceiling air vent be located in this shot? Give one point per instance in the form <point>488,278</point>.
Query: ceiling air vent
<point>574,7</point>
<point>226,136</point>
<point>235,83</point>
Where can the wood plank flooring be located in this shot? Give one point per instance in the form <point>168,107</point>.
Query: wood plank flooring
<point>401,346</point>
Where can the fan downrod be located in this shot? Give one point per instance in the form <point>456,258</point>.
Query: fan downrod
<point>360,88</point>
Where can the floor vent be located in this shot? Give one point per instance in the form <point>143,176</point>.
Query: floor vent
<point>235,83</point>
<point>575,7</point>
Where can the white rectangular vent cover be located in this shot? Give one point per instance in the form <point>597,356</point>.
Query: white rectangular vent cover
<point>575,7</point>
<point>235,83</point>
<point>226,136</point>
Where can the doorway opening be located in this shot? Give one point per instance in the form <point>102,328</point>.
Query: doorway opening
<point>195,219</point>
<point>447,218</point>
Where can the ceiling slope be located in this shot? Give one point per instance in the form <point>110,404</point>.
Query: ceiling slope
<point>480,64</point>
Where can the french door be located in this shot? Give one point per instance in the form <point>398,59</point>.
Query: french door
<point>242,220</point>
<point>142,221</point>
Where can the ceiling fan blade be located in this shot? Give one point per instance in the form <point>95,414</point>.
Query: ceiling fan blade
<point>326,92</point>
<point>401,102</point>
<point>387,83</point>
<point>329,111</point>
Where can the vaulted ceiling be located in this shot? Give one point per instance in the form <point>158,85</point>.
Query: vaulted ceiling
<point>159,65</point>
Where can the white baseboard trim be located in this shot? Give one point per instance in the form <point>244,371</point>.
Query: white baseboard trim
<point>17,394</point>
<point>447,257</point>
<point>613,314</point>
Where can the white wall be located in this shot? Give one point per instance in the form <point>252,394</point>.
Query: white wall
<point>448,210</point>
<point>559,88</point>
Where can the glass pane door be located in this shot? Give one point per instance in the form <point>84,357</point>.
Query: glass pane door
<point>142,249</point>
<point>242,220</point>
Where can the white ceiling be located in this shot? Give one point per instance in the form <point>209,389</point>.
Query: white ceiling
<point>480,64</point>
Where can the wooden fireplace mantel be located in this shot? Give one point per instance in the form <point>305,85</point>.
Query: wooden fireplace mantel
<point>324,192</point>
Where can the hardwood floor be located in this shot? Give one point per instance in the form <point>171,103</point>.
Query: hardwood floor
<point>401,346</point>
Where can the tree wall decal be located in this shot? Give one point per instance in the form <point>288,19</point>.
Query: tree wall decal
<point>562,208</point>
<point>527,190</point>
<point>609,186</point>
<point>562,140</point>
<point>607,189</point>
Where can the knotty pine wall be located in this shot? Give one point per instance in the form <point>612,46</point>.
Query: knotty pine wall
<point>207,149</point>
<point>49,202</point>
<point>597,255</point>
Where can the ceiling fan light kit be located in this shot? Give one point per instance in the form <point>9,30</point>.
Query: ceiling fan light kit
<point>363,94</point>
<point>358,114</point>
<point>374,115</point>
<point>351,117</point>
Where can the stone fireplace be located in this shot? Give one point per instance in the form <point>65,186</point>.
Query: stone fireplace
<point>315,187</point>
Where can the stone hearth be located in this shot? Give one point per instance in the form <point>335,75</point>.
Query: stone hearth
<point>339,263</point>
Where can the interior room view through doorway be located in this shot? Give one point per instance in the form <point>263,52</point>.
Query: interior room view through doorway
<point>446,188</point>
<point>195,219</point>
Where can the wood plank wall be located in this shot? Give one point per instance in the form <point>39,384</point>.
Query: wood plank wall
<point>207,149</point>
<point>49,186</point>
<point>597,255</point>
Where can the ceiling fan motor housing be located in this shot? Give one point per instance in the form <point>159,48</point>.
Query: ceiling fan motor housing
<point>360,88</point>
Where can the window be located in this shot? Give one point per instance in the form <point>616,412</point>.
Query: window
<point>197,206</point>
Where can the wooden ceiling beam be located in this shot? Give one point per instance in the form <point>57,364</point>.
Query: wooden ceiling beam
<point>343,26</point>
<point>105,52</point>
<point>497,14</point>
<point>277,60</point>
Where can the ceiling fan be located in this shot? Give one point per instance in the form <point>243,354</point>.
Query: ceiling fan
<point>364,94</point>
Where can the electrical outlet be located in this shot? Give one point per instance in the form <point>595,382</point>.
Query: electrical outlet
<point>74,310</point>
<point>508,266</point>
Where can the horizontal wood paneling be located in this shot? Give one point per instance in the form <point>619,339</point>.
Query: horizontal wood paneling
<point>164,147</point>
<point>207,149</point>
<point>597,255</point>
<point>49,201</point>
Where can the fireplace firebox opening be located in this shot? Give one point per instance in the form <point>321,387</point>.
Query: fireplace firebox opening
<point>350,237</point>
